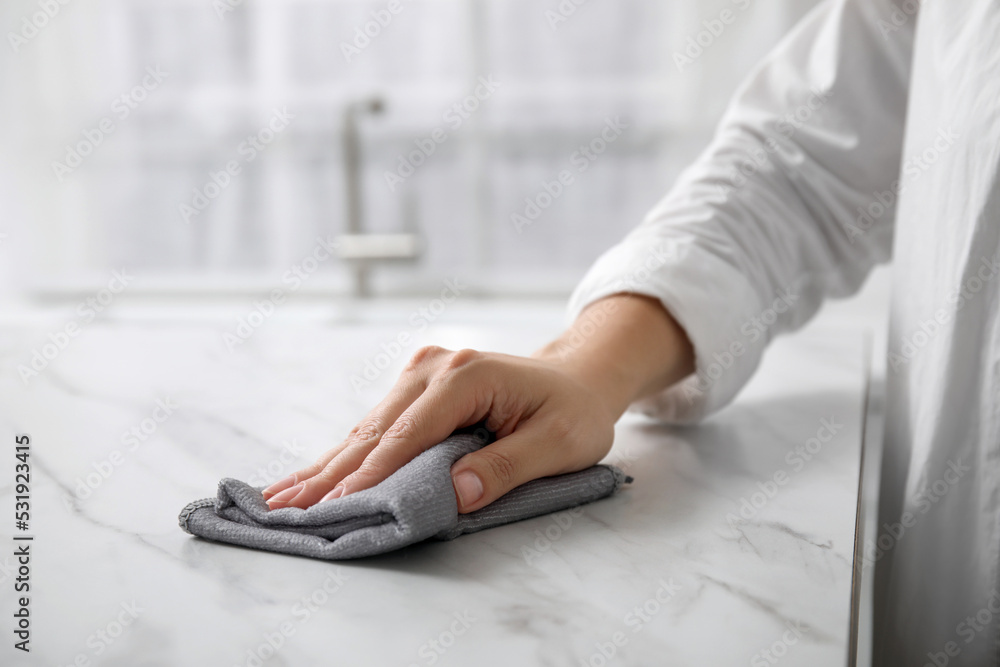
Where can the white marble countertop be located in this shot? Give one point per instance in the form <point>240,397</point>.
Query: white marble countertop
<point>660,574</point>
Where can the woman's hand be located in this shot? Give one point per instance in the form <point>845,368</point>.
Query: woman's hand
<point>552,413</point>
<point>547,422</point>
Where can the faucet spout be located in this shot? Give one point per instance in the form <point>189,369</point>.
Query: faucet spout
<point>352,177</point>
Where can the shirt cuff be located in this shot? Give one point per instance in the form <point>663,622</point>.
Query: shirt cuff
<point>711,300</point>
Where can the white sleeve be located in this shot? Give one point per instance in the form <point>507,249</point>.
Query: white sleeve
<point>792,201</point>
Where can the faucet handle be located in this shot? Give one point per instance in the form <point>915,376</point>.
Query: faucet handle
<point>378,246</point>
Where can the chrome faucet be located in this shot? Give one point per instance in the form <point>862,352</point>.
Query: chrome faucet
<point>357,248</point>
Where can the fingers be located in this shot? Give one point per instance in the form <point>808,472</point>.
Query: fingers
<point>309,485</point>
<point>453,400</point>
<point>280,486</point>
<point>314,482</point>
<point>528,453</point>
<point>313,469</point>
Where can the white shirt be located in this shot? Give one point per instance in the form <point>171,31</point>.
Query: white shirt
<point>872,130</point>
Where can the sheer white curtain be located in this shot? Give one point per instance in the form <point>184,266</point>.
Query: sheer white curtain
<point>225,66</point>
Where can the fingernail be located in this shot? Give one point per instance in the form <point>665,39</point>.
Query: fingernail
<point>288,495</point>
<point>278,486</point>
<point>337,492</point>
<point>469,488</point>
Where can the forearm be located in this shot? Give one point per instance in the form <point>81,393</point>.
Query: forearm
<point>625,347</point>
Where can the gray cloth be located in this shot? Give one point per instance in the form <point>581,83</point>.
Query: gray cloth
<point>416,503</point>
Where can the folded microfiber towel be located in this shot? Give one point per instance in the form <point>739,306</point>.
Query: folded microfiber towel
<point>417,502</point>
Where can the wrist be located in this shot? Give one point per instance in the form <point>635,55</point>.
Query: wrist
<point>597,367</point>
<point>623,347</point>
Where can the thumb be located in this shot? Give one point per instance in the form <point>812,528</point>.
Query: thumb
<point>483,476</point>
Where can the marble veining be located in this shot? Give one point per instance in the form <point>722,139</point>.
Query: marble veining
<point>668,572</point>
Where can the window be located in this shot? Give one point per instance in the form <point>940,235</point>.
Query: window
<point>204,81</point>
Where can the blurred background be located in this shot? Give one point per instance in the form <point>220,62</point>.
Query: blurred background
<point>205,145</point>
